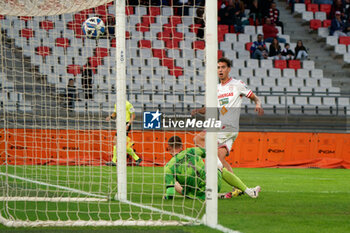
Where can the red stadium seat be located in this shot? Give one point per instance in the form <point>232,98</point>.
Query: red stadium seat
<point>220,54</point>
<point>129,10</point>
<point>294,64</point>
<point>144,44</point>
<point>27,33</point>
<point>326,8</point>
<point>199,44</point>
<point>166,35</point>
<point>176,71</point>
<point>160,53</point>
<point>101,10</point>
<point>344,40</point>
<point>315,24</point>
<point>46,25</point>
<point>154,11</point>
<point>62,42</point>
<point>248,45</point>
<point>147,19</point>
<point>175,20</point>
<point>169,28</point>
<point>307,2</point>
<point>194,28</point>
<point>312,7</point>
<point>26,18</point>
<point>168,62</point>
<point>101,52</point>
<point>178,36</point>
<point>113,43</point>
<point>95,61</point>
<point>280,64</point>
<point>142,27</point>
<point>172,44</point>
<point>74,69</point>
<point>79,18</point>
<point>43,51</point>
<point>223,28</point>
<point>127,35</point>
<point>2,17</point>
<point>76,27</point>
<point>327,23</point>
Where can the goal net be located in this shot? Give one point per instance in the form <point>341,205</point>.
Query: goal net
<point>58,88</point>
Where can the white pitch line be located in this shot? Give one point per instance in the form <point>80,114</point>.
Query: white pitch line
<point>218,227</point>
<point>326,192</point>
<point>54,186</point>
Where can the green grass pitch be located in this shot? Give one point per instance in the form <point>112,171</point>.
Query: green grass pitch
<point>292,200</point>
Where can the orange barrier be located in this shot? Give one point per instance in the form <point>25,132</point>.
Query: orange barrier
<point>94,147</point>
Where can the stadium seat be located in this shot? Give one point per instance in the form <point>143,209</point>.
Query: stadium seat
<point>297,82</point>
<point>267,64</point>
<point>101,52</point>
<point>198,45</point>
<point>43,51</point>
<point>310,82</point>
<point>308,65</point>
<point>194,28</point>
<point>317,73</point>
<point>129,10</point>
<point>144,44</point>
<point>294,64</point>
<point>344,40</point>
<point>325,82</point>
<point>326,23</point>
<point>322,32</point>
<point>312,7</point>
<point>142,27</point>
<point>274,73</point>
<point>249,30</point>
<point>326,8</point>
<point>307,15</point>
<point>329,101</point>
<point>315,24</point>
<point>27,33</point>
<point>303,73</point>
<point>62,42</point>
<point>253,63</point>
<point>269,82</point>
<point>343,101</point>
<point>332,40</point>
<point>74,69</point>
<point>46,25</point>
<point>340,48</point>
<point>289,73</point>
<point>159,53</point>
<point>320,16</point>
<point>247,72</point>
<point>95,61</point>
<point>245,38</point>
<point>280,64</point>
<point>248,45</point>
<point>283,82</point>
<point>315,101</point>
<point>220,54</point>
<point>299,8</point>
<point>176,71</point>
<point>238,63</point>
<point>260,72</point>
<point>154,11</point>
<point>147,19</point>
<point>273,100</point>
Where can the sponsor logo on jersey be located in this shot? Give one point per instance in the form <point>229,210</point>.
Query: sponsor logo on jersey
<point>223,101</point>
<point>225,95</point>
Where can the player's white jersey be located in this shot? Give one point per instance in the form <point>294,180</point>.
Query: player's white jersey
<point>230,100</point>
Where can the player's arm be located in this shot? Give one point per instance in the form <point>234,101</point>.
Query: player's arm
<point>198,110</point>
<point>132,118</point>
<point>258,107</point>
<point>169,181</point>
<point>112,116</point>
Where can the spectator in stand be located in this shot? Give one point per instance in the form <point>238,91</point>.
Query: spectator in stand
<point>230,15</point>
<point>329,2</point>
<point>86,80</point>
<point>275,50</point>
<point>200,20</point>
<point>337,26</point>
<point>300,51</point>
<point>264,6</point>
<point>239,6</point>
<point>337,6</point>
<point>274,15</point>
<point>270,32</point>
<point>255,13</point>
<point>287,53</point>
<point>71,94</point>
<point>258,50</point>
<point>110,24</point>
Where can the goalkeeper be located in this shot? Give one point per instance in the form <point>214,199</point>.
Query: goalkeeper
<point>185,173</point>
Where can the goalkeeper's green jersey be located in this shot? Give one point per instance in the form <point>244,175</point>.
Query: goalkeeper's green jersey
<point>188,168</point>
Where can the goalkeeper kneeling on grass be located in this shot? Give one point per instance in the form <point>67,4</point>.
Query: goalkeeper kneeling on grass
<point>185,173</point>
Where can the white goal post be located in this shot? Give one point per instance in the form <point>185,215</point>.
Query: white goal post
<point>53,153</point>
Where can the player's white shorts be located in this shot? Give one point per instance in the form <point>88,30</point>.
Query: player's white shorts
<point>226,139</point>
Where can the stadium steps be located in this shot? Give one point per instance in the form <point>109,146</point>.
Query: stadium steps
<point>324,58</point>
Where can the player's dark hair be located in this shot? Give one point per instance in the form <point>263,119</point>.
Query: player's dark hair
<point>225,60</point>
<point>175,142</point>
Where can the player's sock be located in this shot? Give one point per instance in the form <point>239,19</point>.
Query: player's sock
<point>233,180</point>
<point>131,152</point>
<point>114,159</point>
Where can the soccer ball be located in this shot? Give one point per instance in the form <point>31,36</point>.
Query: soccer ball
<point>93,27</point>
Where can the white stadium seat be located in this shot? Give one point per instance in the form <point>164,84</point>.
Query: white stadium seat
<point>289,73</point>
<point>307,15</point>
<point>320,15</point>
<point>303,73</point>
<point>299,8</point>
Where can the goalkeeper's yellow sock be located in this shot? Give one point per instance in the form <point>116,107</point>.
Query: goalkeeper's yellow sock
<point>233,180</point>
<point>114,159</point>
<point>131,152</point>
